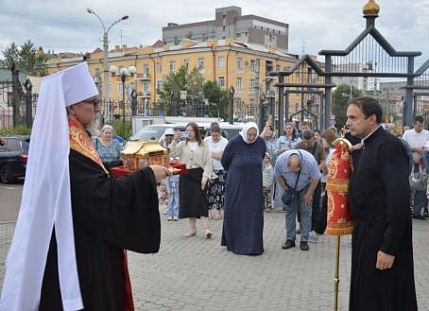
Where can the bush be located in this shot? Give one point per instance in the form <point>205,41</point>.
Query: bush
<point>20,130</point>
<point>124,132</point>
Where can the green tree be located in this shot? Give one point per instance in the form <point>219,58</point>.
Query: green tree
<point>11,56</point>
<point>181,80</point>
<point>340,97</point>
<point>26,58</point>
<point>217,98</point>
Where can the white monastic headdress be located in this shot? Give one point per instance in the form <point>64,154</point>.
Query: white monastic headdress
<point>46,199</point>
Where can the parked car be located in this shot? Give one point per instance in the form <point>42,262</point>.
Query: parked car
<point>13,158</point>
<point>228,130</point>
<point>156,131</point>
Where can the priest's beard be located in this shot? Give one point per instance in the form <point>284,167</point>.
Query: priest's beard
<point>94,127</point>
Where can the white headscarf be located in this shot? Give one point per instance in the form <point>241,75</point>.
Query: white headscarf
<point>246,128</point>
<point>46,199</point>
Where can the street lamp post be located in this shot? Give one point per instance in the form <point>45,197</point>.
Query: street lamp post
<point>262,111</point>
<point>106,49</point>
<point>28,103</point>
<point>124,73</point>
<point>231,92</point>
<point>123,78</point>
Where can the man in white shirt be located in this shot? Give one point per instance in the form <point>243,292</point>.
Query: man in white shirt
<point>417,138</point>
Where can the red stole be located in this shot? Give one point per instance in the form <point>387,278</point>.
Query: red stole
<point>82,143</point>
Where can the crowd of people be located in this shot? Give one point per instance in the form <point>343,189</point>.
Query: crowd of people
<point>68,248</point>
<point>274,174</point>
<point>288,175</point>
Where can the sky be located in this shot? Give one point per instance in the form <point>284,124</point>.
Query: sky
<point>314,25</point>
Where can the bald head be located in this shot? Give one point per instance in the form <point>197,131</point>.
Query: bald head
<point>294,163</point>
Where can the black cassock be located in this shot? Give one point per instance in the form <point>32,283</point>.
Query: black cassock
<point>379,197</point>
<point>109,215</point>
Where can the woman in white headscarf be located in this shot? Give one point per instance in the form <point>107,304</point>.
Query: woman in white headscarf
<point>243,224</point>
<point>108,148</point>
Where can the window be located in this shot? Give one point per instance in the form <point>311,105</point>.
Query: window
<point>158,67</point>
<point>146,87</point>
<point>201,63</point>
<point>120,88</point>
<point>254,65</point>
<point>221,62</point>
<point>159,84</point>
<point>268,67</point>
<point>109,90</point>
<point>239,84</point>
<point>145,70</point>
<point>97,72</point>
<point>221,82</point>
<point>12,145</point>
<point>239,63</point>
<point>186,64</point>
<point>172,66</point>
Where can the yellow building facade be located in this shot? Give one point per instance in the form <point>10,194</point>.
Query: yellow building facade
<point>230,63</point>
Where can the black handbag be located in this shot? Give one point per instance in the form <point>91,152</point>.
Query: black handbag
<point>290,194</point>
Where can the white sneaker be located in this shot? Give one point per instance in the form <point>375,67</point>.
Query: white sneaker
<point>170,218</point>
<point>313,237</point>
<point>175,218</point>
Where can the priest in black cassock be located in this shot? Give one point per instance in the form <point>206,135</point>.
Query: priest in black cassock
<point>382,276</point>
<point>76,220</point>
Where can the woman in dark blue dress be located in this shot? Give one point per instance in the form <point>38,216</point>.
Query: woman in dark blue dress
<point>243,223</point>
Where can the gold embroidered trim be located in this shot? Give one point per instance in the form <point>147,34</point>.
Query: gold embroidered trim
<point>338,231</point>
<point>338,186</point>
<point>81,142</point>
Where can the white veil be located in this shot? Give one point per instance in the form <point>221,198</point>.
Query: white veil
<point>46,199</point>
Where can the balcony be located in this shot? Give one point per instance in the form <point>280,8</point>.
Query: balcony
<point>143,94</point>
<point>143,76</point>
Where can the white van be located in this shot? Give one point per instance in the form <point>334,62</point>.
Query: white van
<point>156,131</point>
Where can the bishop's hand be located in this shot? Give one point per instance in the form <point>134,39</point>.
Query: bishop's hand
<point>161,172</point>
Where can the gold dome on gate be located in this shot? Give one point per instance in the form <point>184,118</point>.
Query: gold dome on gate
<point>371,9</point>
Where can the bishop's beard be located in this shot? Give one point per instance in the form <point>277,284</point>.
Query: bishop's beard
<point>94,127</point>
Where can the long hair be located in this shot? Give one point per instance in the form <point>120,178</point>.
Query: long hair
<point>294,130</point>
<point>198,136</point>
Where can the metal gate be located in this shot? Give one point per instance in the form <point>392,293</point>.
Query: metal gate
<point>17,102</point>
<point>369,57</point>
